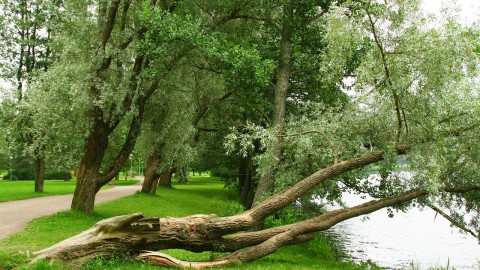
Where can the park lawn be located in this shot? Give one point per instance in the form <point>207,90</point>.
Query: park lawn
<point>125,182</point>
<point>20,190</point>
<point>202,195</point>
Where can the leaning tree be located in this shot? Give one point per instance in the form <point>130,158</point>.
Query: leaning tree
<point>413,94</point>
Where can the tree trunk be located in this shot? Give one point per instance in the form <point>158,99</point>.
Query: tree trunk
<point>85,191</point>
<point>182,175</point>
<point>166,178</point>
<point>266,183</point>
<point>89,178</point>
<point>246,182</point>
<point>39,173</point>
<point>152,177</point>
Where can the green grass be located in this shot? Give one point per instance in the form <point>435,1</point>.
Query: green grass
<point>201,196</point>
<point>125,183</point>
<point>19,190</point>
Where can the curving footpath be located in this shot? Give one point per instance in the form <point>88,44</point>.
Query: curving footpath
<point>15,215</point>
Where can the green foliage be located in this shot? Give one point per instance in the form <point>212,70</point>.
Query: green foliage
<point>286,216</point>
<point>44,265</point>
<point>414,266</point>
<point>408,84</point>
<point>233,208</point>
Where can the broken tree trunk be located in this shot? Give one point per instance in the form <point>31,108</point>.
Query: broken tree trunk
<point>195,233</point>
<point>136,237</point>
<point>131,236</point>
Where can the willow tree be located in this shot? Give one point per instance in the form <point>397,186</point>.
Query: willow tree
<point>225,70</point>
<point>26,30</point>
<point>171,131</point>
<point>167,133</point>
<point>413,94</point>
<point>112,57</point>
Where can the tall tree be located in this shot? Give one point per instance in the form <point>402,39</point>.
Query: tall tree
<point>27,27</point>
<point>111,61</point>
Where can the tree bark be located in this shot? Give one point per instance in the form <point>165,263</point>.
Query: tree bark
<point>266,183</point>
<point>39,173</point>
<point>246,182</point>
<point>88,176</point>
<point>152,177</point>
<point>166,178</point>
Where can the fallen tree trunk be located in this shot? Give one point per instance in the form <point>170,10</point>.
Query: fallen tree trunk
<point>130,235</point>
<point>135,237</point>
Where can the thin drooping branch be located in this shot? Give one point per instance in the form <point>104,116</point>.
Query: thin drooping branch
<point>452,221</point>
<point>450,117</point>
<point>463,189</point>
<point>324,135</point>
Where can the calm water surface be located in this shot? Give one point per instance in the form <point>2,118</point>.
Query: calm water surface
<point>416,236</point>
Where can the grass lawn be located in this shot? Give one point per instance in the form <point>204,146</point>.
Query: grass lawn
<point>20,190</point>
<point>201,196</point>
<point>125,183</point>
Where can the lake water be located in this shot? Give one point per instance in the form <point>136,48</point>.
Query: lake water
<point>417,236</point>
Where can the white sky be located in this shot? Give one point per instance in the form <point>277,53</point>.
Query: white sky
<point>469,9</point>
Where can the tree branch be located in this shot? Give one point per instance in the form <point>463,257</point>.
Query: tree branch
<point>330,142</point>
<point>278,201</point>
<point>112,14</point>
<point>387,71</point>
<point>454,223</point>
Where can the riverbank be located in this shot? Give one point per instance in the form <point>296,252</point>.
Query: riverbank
<point>417,239</point>
<point>203,195</point>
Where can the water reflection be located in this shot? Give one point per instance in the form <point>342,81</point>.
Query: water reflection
<point>416,236</point>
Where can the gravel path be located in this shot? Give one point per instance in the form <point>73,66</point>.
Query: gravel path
<point>15,215</point>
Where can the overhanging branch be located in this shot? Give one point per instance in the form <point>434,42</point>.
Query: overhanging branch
<point>324,135</point>
<point>452,221</point>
